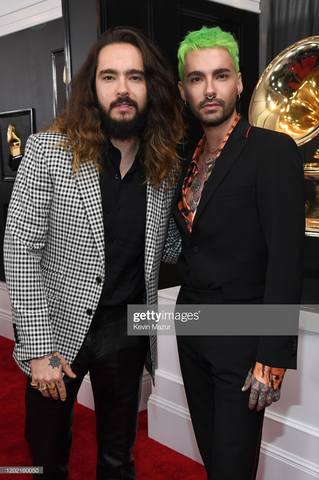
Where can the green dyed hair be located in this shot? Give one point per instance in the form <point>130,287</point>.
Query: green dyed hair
<point>207,38</point>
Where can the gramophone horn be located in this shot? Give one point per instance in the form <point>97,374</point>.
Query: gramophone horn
<point>286,97</point>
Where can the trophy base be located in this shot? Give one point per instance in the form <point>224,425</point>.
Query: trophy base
<point>312,227</point>
<point>14,162</point>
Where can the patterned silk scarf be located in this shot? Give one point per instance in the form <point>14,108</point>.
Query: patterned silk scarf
<point>198,173</point>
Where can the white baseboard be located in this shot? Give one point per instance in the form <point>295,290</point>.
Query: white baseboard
<point>285,464</point>
<point>169,421</point>
<point>6,329</point>
<point>170,425</point>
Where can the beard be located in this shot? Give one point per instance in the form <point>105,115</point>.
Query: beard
<point>122,129</point>
<point>225,113</point>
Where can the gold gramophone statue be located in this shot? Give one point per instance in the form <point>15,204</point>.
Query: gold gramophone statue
<point>286,99</point>
<point>15,148</point>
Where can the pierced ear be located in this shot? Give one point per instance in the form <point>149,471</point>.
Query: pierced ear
<point>239,84</point>
<point>181,90</point>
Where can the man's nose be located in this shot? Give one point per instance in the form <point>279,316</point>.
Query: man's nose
<point>210,90</point>
<point>122,88</point>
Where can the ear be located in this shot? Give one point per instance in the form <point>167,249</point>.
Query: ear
<point>239,84</point>
<point>181,90</point>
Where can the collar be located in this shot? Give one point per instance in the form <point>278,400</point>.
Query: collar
<point>112,154</point>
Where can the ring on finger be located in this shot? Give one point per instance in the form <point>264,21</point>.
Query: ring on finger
<point>42,387</point>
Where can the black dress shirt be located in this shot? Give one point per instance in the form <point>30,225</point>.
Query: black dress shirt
<point>124,216</point>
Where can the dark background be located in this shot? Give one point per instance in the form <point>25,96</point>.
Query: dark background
<point>26,74</point>
<point>26,82</point>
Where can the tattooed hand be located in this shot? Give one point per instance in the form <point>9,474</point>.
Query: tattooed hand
<point>47,375</point>
<point>264,383</point>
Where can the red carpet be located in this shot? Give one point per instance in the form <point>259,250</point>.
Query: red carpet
<point>153,460</point>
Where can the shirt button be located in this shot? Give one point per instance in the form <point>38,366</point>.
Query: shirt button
<point>117,177</point>
<point>98,280</point>
<point>89,311</point>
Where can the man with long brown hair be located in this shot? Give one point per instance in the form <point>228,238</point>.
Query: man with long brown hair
<point>84,238</point>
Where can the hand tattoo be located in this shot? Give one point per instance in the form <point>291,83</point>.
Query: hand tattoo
<point>54,361</point>
<point>264,383</point>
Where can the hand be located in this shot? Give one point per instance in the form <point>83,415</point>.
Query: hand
<point>264,383</point>
<point>47,375</point>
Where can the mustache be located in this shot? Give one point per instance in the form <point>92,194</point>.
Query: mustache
<point>123,100</point>
<point>205,102</point>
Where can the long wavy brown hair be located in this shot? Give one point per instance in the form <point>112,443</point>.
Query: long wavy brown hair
<point>82,123</point>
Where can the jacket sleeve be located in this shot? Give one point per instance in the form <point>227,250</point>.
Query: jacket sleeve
<point>173,243</point>
<point>24,243</point>
<point>280,200</point>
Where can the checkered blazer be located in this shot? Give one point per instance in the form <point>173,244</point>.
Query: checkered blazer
<point>54,250</point>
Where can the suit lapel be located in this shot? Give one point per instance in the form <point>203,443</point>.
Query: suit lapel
<point>176,212</point>
<point>224,163</point>
<point>87,180</point>
<point>154,207</point>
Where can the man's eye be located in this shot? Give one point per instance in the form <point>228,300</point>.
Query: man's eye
<point>196,79</point>
<point>136,78</point>
<point>223,76</point>
<point>108,78</point>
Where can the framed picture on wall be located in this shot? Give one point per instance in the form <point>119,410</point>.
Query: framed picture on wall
<point>15,127</point>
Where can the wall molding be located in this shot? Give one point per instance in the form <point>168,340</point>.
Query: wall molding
<point>288,448</point>
<point>290,422</point>
<point>169,376</point>
<point>177,409</point>
<point>287,458</point>
<point>6,329</point>
<point>164,407</point>
<point>35,13</point>
<point>169,406</point>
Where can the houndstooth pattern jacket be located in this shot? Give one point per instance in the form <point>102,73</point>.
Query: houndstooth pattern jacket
<point>54,250</point>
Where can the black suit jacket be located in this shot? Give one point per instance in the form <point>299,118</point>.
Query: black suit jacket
<point>248,231</point>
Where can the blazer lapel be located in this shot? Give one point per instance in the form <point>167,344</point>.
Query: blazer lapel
<point>87,180</point>
<point>224,163</point>
<point>175,210</point>
<point>154,206</point>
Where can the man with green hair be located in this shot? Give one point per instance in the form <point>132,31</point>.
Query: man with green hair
<point>239,210</point>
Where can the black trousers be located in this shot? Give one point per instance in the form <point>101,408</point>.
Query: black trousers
<point>214,369</point>
<point>115,362</point>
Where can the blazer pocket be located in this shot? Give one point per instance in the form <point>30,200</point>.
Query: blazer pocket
<point>53,282</point>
